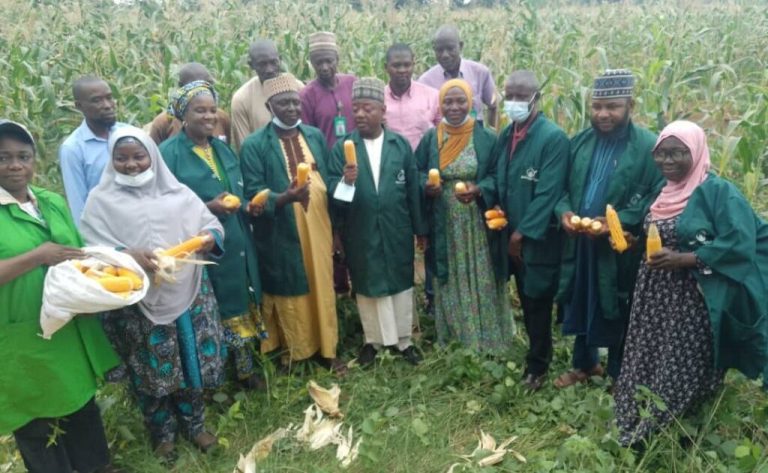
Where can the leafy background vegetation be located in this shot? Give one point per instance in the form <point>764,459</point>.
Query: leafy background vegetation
<point>706,62</point>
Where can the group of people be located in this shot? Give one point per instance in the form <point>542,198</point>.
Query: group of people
<point>672,321</point>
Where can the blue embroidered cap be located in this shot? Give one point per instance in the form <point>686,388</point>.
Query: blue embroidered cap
<point>614,83</point>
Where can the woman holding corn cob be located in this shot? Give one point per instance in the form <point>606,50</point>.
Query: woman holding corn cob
<point>700,302</point>
<point>211,169</point>
<point>172,341</point>
<point>44,383</point>
<point>471,302</point>
<point>292,229</point>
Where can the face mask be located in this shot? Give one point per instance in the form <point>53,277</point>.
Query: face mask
<point>445,120</point>
<point>135,181</point>
<point>518,112</point>
<point>279,123</point>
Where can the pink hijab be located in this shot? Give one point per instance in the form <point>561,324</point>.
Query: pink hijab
<point>674,196</point>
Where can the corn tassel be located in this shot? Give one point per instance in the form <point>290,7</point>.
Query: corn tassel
<point>350,155</point>
<point>434,177</point>
<point>260,198</point>
<point>653,242</point>
<point>614,226</point>
<point>302,172</point>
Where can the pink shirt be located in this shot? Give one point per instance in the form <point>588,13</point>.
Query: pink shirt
<point>478,76</point>
<point>412,114</point>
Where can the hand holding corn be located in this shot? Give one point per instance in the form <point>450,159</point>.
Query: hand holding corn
<point>433,187</point>
<point>466,192</point>
<point>218,206</point>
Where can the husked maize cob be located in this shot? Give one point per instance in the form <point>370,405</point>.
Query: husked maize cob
<point>350,155</point>
<point>116,284</point>
<point>137,281</point>
<point>460,188</point>
<point>434,177</point>
<point>302,172</point>
<point>653,242</point>
<point>614,226</point>
<point>596,226</point>
<point>497,223</point>
<point>494,213</point>
<point>111,270</point>
<point>260,198</point>
<point>576,221</point>
<point>231,201</point>
<point>190,246</point>
<point>586,223</point>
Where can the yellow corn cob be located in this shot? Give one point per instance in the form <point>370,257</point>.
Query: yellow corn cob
<point>494,213</point>
<point>434,177</point>
<point>349,152</point>
<point>614,226</point>
<point>231,201</point>
<point>576,221</point>
<point>260,198</point>
<point>596,227</point>
<point>460,188</point>
<point>586,223</point>
<point>497,223</point>
<point>138,282</point>
<point>653,242</point>
<point>116,284</point>
<point>111,270</point>
<point>192,245</point>
<point>302,172</point>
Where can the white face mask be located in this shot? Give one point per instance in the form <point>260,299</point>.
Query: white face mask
<point>518,112</point>
<point>279,123</point>
<point>135,181</point>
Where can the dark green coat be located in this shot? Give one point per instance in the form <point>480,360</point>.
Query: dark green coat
<point>634,185</point>
<point>275,235</point>
<point>721,228</point>
<point>377,228</point>
<point>237,268</point>
<point>529,186</point>
<point>428,157</point>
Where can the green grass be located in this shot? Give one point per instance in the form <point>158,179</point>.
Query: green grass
<point>422,419</point>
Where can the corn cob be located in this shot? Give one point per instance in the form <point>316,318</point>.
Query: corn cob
<point>653,242</point>
<point>192,245</point>
<point>302,172</point>
<point>497,223</point>
<point>231,201</point>
<point>116,284</point>
<point>460,188</point>
<point>614,226</point>
<point>434,177</point>
<point>350,155</point>
<point>260,198</point>
<point>494,213</point>
<point>137,280</point>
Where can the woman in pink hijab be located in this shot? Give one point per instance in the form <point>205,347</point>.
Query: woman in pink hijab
<point>700,303</point>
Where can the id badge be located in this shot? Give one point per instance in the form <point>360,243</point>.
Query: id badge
<point>340,126</point>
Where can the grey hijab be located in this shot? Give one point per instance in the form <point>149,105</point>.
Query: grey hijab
<point>160,214</point>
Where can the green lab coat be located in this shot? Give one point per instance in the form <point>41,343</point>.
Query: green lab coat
<point>237,269</point>
<point>428,157</point>
<point>634,185</point>
<point>377,228</point>
<point>274,232</point>
<point>529,185</point>
<point>43,378</point>
<point>721,228</point>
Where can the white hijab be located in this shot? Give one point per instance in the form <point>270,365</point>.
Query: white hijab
<point>159,214</point>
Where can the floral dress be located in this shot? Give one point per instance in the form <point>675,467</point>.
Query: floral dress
<point>471,306</point>
<point>669,348</point>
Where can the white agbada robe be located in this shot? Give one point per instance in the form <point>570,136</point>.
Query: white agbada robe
<point>386,320</point>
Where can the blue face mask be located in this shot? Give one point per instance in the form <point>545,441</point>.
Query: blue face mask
<point>518,112</point>
<point>279,123</point>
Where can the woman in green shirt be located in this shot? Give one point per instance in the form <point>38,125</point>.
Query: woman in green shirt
<point>45,385</point>
<point>699,306</point>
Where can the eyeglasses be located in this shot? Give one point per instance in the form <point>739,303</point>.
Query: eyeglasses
<point>675,155</point>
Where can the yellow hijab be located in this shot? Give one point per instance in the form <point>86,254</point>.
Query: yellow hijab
<point>458,136</point>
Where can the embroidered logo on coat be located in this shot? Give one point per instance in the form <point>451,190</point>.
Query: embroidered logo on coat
<point>400,177</point>
<point>635,199</point>
<point>531,174</point>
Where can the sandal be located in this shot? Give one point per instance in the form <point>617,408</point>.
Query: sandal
<point>166,452</point>
<point>205,441</point>
<point>570,378</point>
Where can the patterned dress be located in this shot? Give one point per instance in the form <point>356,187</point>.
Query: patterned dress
<point>472,306</point>
<point>169,365</point>
<point>669,347</point>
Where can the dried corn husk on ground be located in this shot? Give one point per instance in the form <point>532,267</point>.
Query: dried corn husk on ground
<point>260,451</point>
<point>326,399</point>
<point>487,453</point>
<point>346,452</point>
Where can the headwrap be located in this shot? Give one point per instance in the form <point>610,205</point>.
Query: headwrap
<point>19,130</point>
<point>674,196</point>
<point>183,95</point>
<point>459,135</point>
<point>322,41</point>
<point>159,214</point>
<point>368,88</point>
<point>284,82</point>
<point>614,83</point>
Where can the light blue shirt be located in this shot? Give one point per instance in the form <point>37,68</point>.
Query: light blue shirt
<point>82,157</point>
